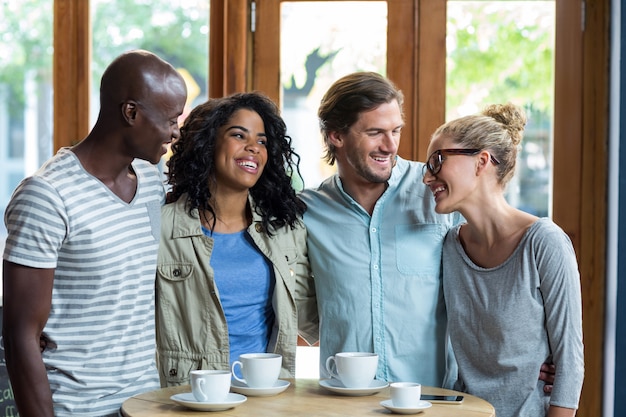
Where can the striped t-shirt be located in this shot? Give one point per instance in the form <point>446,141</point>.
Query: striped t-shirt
<point>104,251</point>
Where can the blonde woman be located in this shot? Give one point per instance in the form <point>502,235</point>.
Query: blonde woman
<point>511,280</point>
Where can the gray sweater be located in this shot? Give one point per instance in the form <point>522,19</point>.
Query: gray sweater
<point>504,322</point>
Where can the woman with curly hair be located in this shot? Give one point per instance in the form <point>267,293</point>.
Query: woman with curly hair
<point>510,279</point>
<point>233,270</point>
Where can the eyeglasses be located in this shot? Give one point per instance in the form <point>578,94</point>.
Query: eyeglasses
<point>435,160</point>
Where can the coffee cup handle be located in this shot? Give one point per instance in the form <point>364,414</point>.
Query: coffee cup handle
<point>199,390</point>
<point>235,375</point>
<point>329,368</point>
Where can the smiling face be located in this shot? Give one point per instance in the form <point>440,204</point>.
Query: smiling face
<point>156,121</point>
<point>366,152</point>
<point>161,128</point>
<point>455,183</point>
<point>240,151</point>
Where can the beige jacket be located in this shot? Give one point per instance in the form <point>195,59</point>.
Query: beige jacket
<point>191,326</point>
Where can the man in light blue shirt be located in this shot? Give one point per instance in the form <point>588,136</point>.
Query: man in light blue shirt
<point>375,240</point>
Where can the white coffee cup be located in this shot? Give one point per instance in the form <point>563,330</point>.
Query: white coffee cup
<point>353,369</point>
<point>260,370</point>
<point>210,385</point>
<point>405,394</point>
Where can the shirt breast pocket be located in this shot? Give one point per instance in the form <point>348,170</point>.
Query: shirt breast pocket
<point>418,249</point>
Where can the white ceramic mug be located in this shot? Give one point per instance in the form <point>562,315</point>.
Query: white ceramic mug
<point>259,370</point>
<point>353,369</point>
<point>210,385</point>
<point>405,394</point>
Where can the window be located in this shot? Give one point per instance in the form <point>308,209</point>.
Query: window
<point>177,31</point>
<point>503,51</point>
<point>25,93</point>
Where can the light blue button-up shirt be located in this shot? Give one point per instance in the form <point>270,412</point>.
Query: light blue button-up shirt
<point>378,277</point>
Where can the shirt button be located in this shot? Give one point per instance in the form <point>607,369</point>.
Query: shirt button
<point>373,230</point>
<point>173,372</point>
<point>176,272</point>
<point>375,266</point>
<point>258,227</point>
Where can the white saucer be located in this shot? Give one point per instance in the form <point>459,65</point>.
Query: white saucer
<point>241,388</point>
<point>337,387</point>
<point>423,405</point>
<point>188,400</point>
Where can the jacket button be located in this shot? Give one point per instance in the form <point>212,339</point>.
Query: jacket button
<point>258,227</point>
<point>176,272</point>
<point>173,372</point>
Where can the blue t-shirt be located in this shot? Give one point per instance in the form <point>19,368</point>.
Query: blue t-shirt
<point>245,281</point>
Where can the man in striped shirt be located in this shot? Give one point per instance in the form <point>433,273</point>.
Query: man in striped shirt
<point>80,256</point>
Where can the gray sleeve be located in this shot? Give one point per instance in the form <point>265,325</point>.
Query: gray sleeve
<point>560,289</point>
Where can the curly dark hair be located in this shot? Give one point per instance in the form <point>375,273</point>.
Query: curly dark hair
<point>192,165</point>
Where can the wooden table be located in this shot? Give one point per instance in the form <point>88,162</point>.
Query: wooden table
<point>303,398</point>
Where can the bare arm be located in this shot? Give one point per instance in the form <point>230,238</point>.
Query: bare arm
<point>27,297</point>
<point>561,412</point>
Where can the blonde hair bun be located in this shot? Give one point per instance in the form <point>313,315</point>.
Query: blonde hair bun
<point>511,116</point>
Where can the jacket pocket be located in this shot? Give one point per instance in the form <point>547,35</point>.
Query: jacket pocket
<point>175,272</point>
<point>175,371</point>
<point>291,256</point>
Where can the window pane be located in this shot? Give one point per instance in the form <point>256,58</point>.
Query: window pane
<point>321,42</point>
<point>25,93</point>
<point>176,30</point>
<point>501,51</point>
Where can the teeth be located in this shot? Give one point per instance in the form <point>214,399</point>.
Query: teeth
<point>247,164</point>
<point>439,189</point>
